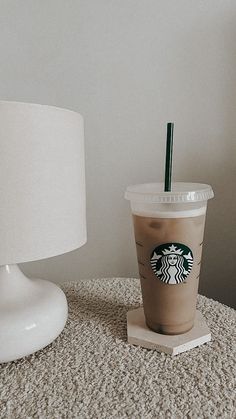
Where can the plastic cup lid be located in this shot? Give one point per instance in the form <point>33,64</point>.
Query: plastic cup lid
<point>181,192</point>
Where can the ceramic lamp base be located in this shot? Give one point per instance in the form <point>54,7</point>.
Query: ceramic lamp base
<point>139,334</point>
<point>33,312</point>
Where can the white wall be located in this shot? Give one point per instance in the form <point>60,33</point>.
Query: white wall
<point>129,66</point>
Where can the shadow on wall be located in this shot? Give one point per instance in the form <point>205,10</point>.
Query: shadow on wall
<point>216,165</point>
<point>220,241</point>
<point>219,260</point>
<point>217,278</point>
<point>218,267</point>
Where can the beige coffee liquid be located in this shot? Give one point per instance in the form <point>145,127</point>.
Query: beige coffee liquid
<point>169,307</point>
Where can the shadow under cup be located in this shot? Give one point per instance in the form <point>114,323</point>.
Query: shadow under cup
<point>169,229</point>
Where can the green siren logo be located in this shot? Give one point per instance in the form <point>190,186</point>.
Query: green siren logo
<point>172,262</point>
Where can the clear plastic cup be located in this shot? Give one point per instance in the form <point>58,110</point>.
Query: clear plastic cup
<point>169,229</point>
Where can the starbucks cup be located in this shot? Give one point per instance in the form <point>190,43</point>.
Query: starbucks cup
<point>169,229</point>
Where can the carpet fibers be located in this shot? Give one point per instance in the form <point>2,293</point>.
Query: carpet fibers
<point>90,371</point>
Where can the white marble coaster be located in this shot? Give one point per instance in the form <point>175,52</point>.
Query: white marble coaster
<point>139,334</point>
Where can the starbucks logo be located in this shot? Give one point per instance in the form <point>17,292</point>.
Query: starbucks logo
<point>172,262</point>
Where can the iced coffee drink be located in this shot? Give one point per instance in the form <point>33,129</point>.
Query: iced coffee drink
<point>169,229</point>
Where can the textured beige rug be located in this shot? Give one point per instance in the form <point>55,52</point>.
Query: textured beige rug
<point>91,372</point>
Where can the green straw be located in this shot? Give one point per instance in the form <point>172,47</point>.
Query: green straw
<point>169,151</point>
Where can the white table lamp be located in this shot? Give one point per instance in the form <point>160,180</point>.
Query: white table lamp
<point>42,214</point>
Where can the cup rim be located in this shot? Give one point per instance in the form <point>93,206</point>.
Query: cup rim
<point>182,192</point>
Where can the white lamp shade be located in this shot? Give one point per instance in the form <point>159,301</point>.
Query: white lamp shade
<point>42,182</point>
